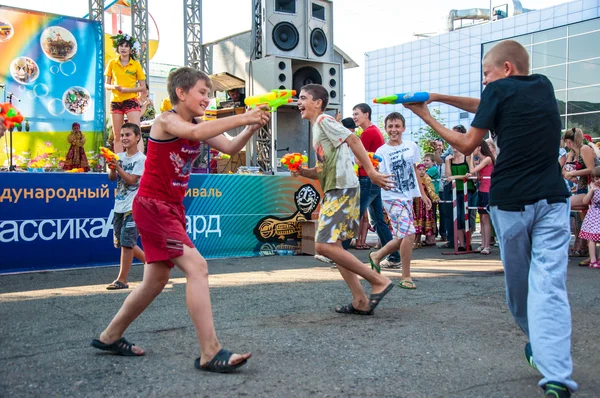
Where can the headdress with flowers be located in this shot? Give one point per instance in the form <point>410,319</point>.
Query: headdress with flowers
<point>136,48</point>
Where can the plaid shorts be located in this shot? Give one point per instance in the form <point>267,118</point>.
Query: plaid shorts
<point>338,219</point>
<point>123,108</point>
<point>125,231</point>
<point>401,216</point>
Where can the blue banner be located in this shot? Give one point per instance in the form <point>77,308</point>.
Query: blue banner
<point>62,220</point>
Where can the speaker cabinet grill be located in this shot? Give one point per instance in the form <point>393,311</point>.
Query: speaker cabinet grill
<point>320,30</point>
<point>318,42</point>
<point>285,36</point>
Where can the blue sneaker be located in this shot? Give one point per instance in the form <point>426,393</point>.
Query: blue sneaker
<point>529,356</point>
<point>556,390</point>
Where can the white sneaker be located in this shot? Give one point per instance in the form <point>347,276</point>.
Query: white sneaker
<point>390,264</point>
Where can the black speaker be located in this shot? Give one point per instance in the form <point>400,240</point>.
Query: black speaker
<point>306,75</point>
<point>320,30</point>
<point>285,36</point>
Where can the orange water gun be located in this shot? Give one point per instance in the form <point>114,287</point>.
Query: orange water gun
<point>374,158</point>
<point>293,161</point>
<point>11,115</point>
<point>109,155</point>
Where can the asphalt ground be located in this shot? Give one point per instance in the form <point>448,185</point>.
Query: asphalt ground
<point>452,337</point>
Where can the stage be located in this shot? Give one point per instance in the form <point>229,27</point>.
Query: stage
<point>60,220</point>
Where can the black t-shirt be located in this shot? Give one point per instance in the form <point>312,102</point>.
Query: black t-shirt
<point>522,114</point>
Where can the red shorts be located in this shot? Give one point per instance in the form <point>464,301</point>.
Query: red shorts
<point>162,228</point>
<point>123,108</point>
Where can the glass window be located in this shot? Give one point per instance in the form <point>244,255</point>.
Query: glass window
<point>584,99</point>
<point>550,53</point>
<point>586,73</point>
<point>589,123</point>
<point>584,27</point>
<point>584,46</point>
<point>561,98</point>
<point>550,34</point>
<point>524,40</point>
<point>556,74</point>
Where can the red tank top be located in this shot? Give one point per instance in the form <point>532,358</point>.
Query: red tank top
<point>485,183</point>
<point>167,169</point>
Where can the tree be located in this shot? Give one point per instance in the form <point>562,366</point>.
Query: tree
<point>426,134</point>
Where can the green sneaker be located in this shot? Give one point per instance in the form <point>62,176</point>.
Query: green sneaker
<point>529,356</point>
<point>556,390</point>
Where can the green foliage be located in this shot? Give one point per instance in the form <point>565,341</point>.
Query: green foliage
<point>426,134</point>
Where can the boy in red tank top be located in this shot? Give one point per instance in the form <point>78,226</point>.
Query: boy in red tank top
<point>160,216</point>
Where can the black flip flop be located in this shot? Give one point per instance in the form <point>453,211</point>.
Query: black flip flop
<point>220,363</point>
<point>121,347</point>
<point>349,309</point>
<point>374,299</point>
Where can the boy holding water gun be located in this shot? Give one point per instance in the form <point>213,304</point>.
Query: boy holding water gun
<point>338,219</point>
<point>126,168</point>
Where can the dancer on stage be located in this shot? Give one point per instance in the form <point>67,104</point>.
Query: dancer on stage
<point>339,218</point>
<point>160,216</point>
<point>528,202</point>
<point>125,78</point>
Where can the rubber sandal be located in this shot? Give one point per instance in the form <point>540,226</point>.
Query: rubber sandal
<point>374,299</point>
<point>220,363</point>
<point>117,285</point>
<point>486,251</point>
<point>374,266</point>
<point>121,347</point>
<point>595,264</point>
<point>349,309</point>
<point>584,263</point>
<point>406,284</point>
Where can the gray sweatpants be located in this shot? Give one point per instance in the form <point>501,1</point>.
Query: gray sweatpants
<point>534,250</point>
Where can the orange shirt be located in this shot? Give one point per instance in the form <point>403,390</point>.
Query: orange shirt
<point>125,76</point>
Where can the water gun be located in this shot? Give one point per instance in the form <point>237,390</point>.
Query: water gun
<point>11,116</point>
<point>374,158</point>
<point>403,98</point>
<point>293,161</point>
<point>77,170</point>
<point>273,99</point>
<point>108,155</point>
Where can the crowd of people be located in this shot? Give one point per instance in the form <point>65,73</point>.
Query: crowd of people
<point>528,207</point>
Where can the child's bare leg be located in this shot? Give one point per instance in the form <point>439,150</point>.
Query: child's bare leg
<point>392,246</point>
<point>197,297</point>
<point>406,247</point>
<point>486,230</point>
<point>592,250</point>
<point>346,260</point>
<point>134,117</point>
<point>117,122</point>
<point>461,237</point>
<point>156,276</point>
<point>126,260</point>
<point>139,254</point>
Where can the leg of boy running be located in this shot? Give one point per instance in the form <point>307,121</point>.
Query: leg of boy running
<point>535,276</point>
<point>349,267</point>
<point>197,297</point>
<point>126,260</point>
<point>406,247</point>
<point>156,276</point>
<point>139,254</point>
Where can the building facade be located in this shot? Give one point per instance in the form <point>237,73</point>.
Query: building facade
<point>562,41</point>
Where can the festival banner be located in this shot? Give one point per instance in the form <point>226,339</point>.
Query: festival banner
<point>52,70</point>
<point>63,220</point>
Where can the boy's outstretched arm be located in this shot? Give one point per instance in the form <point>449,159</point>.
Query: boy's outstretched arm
<point>173,124</point>
<point>465,143</point>
<point>234,145</point>
<point>382,180</point>
<point>465,103</point>
<point>305,172</point>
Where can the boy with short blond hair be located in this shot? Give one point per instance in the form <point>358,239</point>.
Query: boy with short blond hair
<point>531,220</point>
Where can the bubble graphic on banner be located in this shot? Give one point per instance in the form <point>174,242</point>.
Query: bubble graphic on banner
<point>54,69</point>
<point>56,107</point>
<point>58,44</point>
<point>31,94</point>
<point>6,30</point>
<point>68,68</point>
<point>24,70</point>
<point>76,100</point>
<point>41,90</point>
<point>22,88</point>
